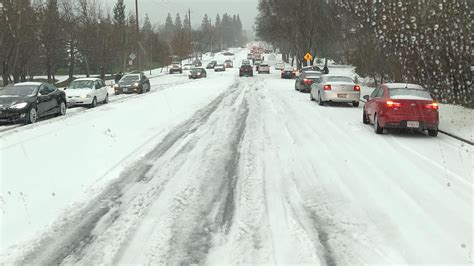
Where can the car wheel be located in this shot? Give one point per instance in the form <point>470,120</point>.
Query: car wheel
<point>377,128</point>
<point>433,132</point>
<point>355,104</point>
<point>62,109</point>
<point>365,119</point>
<point>94,103</point>
<point>106,100</point>
<point>32,115</point>
<point>311,97</point>
<point>320,101</point>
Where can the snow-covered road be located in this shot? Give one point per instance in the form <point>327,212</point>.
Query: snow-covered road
<point>232,170</point>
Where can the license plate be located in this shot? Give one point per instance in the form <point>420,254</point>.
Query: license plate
<point>125,90</point>
<point>342,96</point>
<point>413,124</point>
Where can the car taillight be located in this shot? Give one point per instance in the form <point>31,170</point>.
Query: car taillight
<point>307,81</point>
<point>392,104</point>
<point>327,87</point>
<point>356,88</point>
<point>433,106</point>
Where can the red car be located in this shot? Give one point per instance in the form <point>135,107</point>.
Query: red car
<point>400,105</point>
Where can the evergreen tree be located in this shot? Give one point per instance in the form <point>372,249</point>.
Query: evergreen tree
<point>177,22</point>
<point>147,27</point>
<point>119,14</point>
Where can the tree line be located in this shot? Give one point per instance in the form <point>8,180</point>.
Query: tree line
<point>70,37</point>
<point>427,42</point>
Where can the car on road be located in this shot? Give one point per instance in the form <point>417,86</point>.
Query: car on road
<point>211,64</point>
<point>187,66</point>
<point>197,73</point>
<point>227,53</point>
<point>228,63</point>
<point>219,68</point>
<point>401,105</point>
<point>132,83</point>
<point>246,62</point>
<point>246,70</point>
<point>288,73</point>
<point>279,66</point>
<point>257,63</point>
<point>87,91</point>
<point>176,68</point>
<point>334,88</point>
<point>27,102</point>
<point>264,68</point>
<point>250,56</point>
<point>197,63</point>
<point>305,80</point>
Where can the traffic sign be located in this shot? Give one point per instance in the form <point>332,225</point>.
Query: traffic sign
<point>308,57</point>
<point>133,56</point>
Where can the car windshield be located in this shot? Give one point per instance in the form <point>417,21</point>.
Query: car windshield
<point>130,78</point>
<point>409,93</point>
<point>81,84</point>
<point>314,148</point>
<point>18,90</point>
<point>339,79</point>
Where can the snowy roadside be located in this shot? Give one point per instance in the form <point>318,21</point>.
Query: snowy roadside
<point>74,170</point>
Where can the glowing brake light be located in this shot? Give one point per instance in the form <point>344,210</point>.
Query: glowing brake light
<point>327,87</point>
<point>356,88</point>
<point>307,81</point>
<point>433,106</point>
<point>392,104</point>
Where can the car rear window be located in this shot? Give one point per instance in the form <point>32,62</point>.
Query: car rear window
<point>340,79</point>
<point>406,93</point>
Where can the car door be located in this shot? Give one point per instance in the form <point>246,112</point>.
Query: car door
<point>145,82</point>
<point>46,100</point>
<point>104,90</point>
<point>96,92</point>
<point>374,102</point>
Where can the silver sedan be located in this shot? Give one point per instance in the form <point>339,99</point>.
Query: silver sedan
<point>333,88</point>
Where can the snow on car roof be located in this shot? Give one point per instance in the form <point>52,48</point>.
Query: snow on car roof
<point>403,85</point>
<point>90,79</point>
<point>30,83</point>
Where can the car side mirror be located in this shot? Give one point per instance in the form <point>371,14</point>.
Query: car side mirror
<point>366,97</point>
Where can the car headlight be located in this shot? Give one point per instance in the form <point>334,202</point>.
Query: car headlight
<point>136,84</point>
<point>85,96</point>
<point>19,106</point>
<point>116,86</point>
<point>199,74</point>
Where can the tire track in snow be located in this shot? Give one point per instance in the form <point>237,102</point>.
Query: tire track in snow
<point>72,234</point>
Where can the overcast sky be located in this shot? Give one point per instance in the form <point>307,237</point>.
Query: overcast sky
<point>157,10</point>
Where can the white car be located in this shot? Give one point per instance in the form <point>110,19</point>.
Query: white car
<point>187,66</point>
<point>332,88</point>
<point>87,91</point>
<point>279,66</point>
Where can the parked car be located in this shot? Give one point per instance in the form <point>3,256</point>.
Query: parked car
<point>305,80</point>
<point>279,66</point>
<point>197,63</point>
<point>227,53</point>
<point>187,66</point>
<point>250,56</point>
<point>211,65</point>
<point>176,67</point>
<point>288,73</point>
<point>246,62</point>
<point>264,68</point>
<point>197,73</point>
<point>133,83</point>
<point>401,105</point>
<point>334,88</point>
<point>219,67</point>
<point>228,63</point>
<point>28,101</point>
<point>246,70</point>
<point>87,91</point>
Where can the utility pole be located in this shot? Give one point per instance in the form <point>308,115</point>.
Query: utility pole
<point>138,34</point>
<point>190,31</point>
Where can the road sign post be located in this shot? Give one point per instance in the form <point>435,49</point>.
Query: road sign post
<point>308,57</point>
